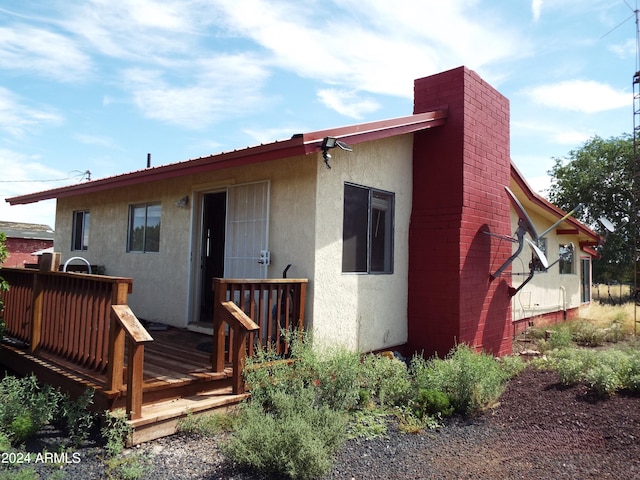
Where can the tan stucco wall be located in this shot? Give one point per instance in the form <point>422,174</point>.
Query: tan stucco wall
<point>162,281</point>
<point>550,291</point>
<point>362,312</point>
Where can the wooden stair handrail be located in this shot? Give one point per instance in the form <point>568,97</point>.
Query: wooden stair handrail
<point>125,324</point>
<point>241,325</point>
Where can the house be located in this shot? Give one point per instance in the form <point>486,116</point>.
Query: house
<point>24,241</point>
<point>555,293</point>
<point>388,220</point>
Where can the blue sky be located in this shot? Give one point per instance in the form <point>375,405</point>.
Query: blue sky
<point>95,85</point>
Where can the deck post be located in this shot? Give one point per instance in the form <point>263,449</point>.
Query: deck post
<point>239,360</point>
<point>115,364</point>
<point>217,350</point>
<point>36,314</point>
<point>135,379</point>
<point>115,367</point>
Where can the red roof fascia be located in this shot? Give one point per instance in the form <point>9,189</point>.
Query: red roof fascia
<point>589,250</point>
<point>550,207</point>
<point>303,144</point>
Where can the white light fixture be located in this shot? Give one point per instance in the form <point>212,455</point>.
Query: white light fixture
<point>183,202</point>
<point>332,142</point>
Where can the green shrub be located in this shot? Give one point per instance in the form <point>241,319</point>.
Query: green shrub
<point>603,371</point>
<point>22,427</point>
<point>557,338</point>
<point>387,380</point>
<point>294,438</point>
<point>587,334</point>
<point>470,379</point>
<point>432,403</point>
<point>337,379</point>
<point>615,332</point>
<point>26,406</point>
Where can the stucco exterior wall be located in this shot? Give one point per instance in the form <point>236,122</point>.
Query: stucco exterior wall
<point>162,281</point>
<point>548,291</point>
<point>363,312</point>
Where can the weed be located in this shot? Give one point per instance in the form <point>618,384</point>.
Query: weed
<point>77,416</point>
<point>207,424</point>
<point>368,423</point>
<point>127,467</point>
<point>116,432</point>
<point>22,474</point>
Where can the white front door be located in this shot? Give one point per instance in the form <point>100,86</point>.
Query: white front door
<point>247,231</point>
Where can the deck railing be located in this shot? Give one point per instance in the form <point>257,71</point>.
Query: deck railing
<point>69,316</point>
<point>251,312</point>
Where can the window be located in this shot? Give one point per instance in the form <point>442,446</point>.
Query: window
<point>541,243</point>
<point>144,228</point>
<point>80,231</point>
<point>585,280</point>
<point>566,258</point>
<point>367,230</point>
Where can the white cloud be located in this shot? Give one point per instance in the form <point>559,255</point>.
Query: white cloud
<point>585,96</point>
<point>219,87</point>
<point>373,45</point>
<point>624,50</point>
<point>347,102</point>
<point>48,54</point>
<point>94,140</point>
<point>17,119</point>
<point>267,135</point>
<point>536,9</point>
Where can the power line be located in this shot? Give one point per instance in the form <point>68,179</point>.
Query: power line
<point>86,175</point>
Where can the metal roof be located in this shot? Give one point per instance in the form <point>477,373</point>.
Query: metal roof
<point>299,144</point>
<point>34,231</point>
<point>546,209</point>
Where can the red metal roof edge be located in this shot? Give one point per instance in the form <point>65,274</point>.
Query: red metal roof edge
<point>301,144</point>
<point>545,204</point>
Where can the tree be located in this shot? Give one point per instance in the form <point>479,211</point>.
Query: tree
<point>600,176</point>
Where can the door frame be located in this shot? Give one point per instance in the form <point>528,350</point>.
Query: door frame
<point>197,246</point>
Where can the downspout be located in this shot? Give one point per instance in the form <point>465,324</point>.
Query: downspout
<point>563,294</point>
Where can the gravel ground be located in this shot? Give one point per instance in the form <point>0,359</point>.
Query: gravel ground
<point>540,430</point>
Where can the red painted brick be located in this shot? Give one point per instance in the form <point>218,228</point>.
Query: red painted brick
<point>460,170</point>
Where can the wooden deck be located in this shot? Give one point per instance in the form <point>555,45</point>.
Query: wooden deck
<point>76,331</point>
<point>177,378</point>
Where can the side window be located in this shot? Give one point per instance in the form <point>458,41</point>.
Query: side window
<point>144,228</point>
<point>80,230</point>
<point>566,259</point>
<point>367,230</point>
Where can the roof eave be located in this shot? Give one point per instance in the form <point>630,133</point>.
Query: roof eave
<point>549,207</point>
<point>303,144</point>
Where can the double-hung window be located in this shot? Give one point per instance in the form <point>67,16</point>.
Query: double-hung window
<point>367,245</point>
<point>144,228</point>
<point>80,230</point>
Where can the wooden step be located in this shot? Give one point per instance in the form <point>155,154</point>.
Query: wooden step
<point>160,419</point>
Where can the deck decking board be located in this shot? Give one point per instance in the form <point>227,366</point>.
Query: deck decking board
<point>177,376</point>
